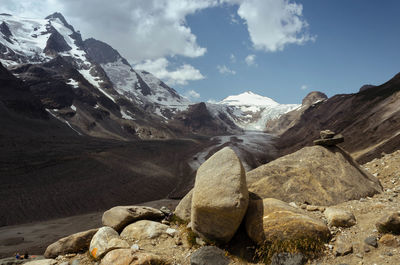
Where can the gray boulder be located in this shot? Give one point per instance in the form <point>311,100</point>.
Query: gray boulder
<point>209,255</point>
<point>220,197</point>
<point>120,216</point>
<point>75,243</point>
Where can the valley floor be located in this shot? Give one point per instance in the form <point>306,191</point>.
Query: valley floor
<point>35,237</point>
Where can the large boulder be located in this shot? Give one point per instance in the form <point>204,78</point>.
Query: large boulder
<point>75,243</point>
<point>120,216</point>
<point>127,257</point>
<point>316,175</point>
<point>220,197</point>
<point>270,220</point>
<point>143,229</point>
<point>105,240</point>
<point>183,210</point>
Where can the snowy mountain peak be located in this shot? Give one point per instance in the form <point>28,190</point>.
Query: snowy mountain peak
<point>248,98</point>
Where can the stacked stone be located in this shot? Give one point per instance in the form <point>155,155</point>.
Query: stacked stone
<point>329,138</point>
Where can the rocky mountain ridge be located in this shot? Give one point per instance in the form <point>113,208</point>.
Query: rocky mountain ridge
<point>369,120</point>
<point>136,93</point>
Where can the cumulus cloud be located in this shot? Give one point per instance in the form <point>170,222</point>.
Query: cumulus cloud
<point>273,24</point>
<point>138,29</point>
<point>192,95</point>
<point>223,69</point>
<point>30,8</point>
<point>153,29</point>
<point>250,60</point>
<point>179,76</point>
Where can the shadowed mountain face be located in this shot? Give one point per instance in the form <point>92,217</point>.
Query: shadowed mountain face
<point>48,170</point>
<point>369,121</point>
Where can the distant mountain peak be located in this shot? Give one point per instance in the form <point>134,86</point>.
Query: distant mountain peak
<point>248,98</point>
<point>58,15</point>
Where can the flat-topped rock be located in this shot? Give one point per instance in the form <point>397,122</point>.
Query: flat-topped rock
<point>315,175</point>
<point>337,139</point>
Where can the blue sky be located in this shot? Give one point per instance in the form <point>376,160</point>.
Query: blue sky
<point>357,42</point>
<point>200,47</point>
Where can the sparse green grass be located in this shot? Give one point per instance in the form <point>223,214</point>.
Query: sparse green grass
<point>178,221</point>
<point>191,237</point>
<point>310,247</point>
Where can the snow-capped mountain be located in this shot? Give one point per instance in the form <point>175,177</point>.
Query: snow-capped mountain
<point>138,86</point>
<point>250,111</point>
<point>90,87</point>
<point>90,72</point>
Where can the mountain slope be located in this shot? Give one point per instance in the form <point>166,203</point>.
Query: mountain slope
<point>51,57</point>
<point>369,121</point>
<point>138,86</point>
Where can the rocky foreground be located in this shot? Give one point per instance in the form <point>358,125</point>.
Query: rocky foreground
<point>225,219</point>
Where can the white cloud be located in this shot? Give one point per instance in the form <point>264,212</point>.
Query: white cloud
<point>138,29</point>
<point>273,24</point>
<point>152,29</point>
<point>232,57</point>
<point>250,60</point>
<point>304,87</point>
<point>212,101</point>
<point>192,95</point>
<point>225,70</point>
<point>30,8</point>
<point>179,76</point>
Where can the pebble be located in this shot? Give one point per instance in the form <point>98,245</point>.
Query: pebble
<point>312,208</point>
<point>371,240</point>
<point>135,247</point>
<point>171,231</point>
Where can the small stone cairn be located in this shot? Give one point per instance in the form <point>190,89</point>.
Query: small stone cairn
<point>329,138</point>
